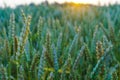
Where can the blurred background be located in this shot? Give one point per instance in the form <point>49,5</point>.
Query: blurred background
<point>14,3</point>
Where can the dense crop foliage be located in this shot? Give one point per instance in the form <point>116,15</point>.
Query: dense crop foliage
<point>60,42</point>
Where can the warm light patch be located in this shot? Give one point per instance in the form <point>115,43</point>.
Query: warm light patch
<point>93,1</point>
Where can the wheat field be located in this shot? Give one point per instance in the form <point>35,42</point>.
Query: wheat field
<point>60,42</point>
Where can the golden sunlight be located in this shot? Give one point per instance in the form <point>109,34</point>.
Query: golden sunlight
<point>94,1</point>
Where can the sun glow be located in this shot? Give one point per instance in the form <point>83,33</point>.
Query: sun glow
<point>83,1</point>
<point>94,1</point>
